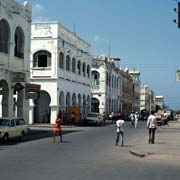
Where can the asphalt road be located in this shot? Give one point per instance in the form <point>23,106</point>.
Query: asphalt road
<point>86,154</point>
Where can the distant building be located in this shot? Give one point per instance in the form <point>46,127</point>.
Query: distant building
<point>135,74</point>
<point>106,86</point>
<point>147,98</point>
<point>159,101</point>
<point>61,64</point>
<point>127,92</point>
<point>15,31</point>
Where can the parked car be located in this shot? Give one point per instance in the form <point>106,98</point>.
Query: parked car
<point>93,119</point>
<point>12,128</point>
<point>160,120</point>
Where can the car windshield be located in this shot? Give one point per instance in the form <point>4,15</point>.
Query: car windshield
<point>92,115</point>
<point>4,122</point>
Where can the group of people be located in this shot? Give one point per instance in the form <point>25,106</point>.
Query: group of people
<point>134,116</point>
<point>151,126</point>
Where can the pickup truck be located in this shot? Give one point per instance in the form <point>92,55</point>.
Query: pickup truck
<point>12,128</point>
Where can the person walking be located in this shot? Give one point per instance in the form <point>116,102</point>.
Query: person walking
<point>152,126</point>
<point>136,117</point>
<point>132,118</point>
<point>57,128</point>
<point>120,131</point>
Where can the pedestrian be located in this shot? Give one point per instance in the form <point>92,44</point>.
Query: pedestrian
<point>120,131</point>
<point>136,117</point>
<point>110,116</point>
<point>166,118</point>
<point>132,118</point>
<point>152,126</point>
<point>57,128</point>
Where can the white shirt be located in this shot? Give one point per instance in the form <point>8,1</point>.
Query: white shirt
<point>119,124</point>
<point>151,122</point>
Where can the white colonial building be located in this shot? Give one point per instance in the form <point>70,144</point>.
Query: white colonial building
<point>61,64</point>
<point>106,85</point>
<point>147,99</point>
<point>15,30</point>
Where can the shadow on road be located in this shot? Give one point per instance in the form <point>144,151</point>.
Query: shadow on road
<point>35,135</point>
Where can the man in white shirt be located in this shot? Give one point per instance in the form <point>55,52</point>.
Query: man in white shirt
<point>152,126</point>
<point>120,131</point>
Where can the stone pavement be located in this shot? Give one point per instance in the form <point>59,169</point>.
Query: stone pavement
<point>166,147</point>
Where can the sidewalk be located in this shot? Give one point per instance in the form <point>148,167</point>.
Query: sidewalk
<point>167,144</point>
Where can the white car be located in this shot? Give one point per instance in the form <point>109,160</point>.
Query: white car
<point>93,119</point>
<point>12,128</point>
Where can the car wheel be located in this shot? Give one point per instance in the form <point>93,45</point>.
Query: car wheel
<point>5,138</point>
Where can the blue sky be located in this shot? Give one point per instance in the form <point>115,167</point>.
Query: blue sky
<point>141,33</point>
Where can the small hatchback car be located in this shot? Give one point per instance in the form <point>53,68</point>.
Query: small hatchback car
<point>12,128</point>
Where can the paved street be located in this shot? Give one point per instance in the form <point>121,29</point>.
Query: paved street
<point>86,153</point>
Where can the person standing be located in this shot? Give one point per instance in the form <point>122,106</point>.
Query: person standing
<point>57,129</point>
<point>132,118</point>
<point>120,131</point>
<point>152,126</point>
<point>136,117</point>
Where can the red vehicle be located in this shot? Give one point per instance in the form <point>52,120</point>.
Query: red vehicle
<point>160,120</point>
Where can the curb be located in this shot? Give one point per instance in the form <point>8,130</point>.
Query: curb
<point>142,155</point>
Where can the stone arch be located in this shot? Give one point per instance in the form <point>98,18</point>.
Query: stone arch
<point>5,36</point>
<point>68,99</point>
<point>95,105</point>
<point>74,102</point>
<point>42,110</point>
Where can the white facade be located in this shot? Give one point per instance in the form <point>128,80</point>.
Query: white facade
<point>61,64</point>
<point>106,86</point>
<point>15,30</point>
<point>147,98</point>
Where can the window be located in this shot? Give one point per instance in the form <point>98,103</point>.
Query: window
<point>4,37</point>
<point>12,123</point>
<point>19,43</point>
<point>20,122</point>
<point>42,59</point>
<point>79,67</point>
<point>61,60</point>
<point>95,78</point>
<point>68,63</point>
<point>88,71</point>
<point>84,69</point>
<point>74,65</point>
